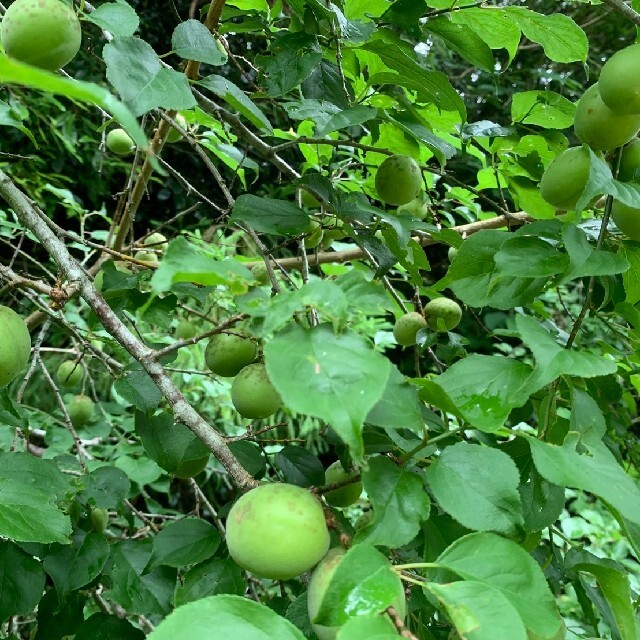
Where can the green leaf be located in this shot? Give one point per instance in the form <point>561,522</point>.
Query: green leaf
<point>479,611</point>
<point>368,628</point>
<point>230,616</point>
<point>542,502</point>
<point>191,40</point>
<point>545,109</point>
<point>21,581</point>
<point>347,118</point>
<point>136,72</point>
<point>210,578</point>
<point>267,215</point>
<point>325,82</point>
<point>478,486</point>
<point>101,626</point>
<point>613,581</point>
<point>182,262</point>
<point>139,592</point>
<point>631,277</point>
<point>400,504</point>
<point>34,472</point>
<point>288,69</point>
<point>137,387</point>
<point>237,99</point>
<point>118,18</point>
<point>299,466</point>
<point>74,566</point>
<point>500,563</point>
<point>106,487</point>
<point>493,25</point>
<point>528,257</point>
<point>320,374</point>
<point>184,542</point>
<point>561,38</point>
<point>250,456</point>
<point>363,583</point>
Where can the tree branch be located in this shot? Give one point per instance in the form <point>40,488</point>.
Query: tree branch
<point>624,9</point>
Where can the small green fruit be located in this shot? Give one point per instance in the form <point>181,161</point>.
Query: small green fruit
<point>227,353</point>
<point>277,531</point>
<point>565,178</point>
<point>398,180</point>
<point>185,330</point>
<point>344,496</point>
<point>452,253</point>
<point>316,233</point>
<point>627,219</point>
<point>443,312</point>
<point>252,393</point>
<point>80,410</point>
<point>260,273</point>
<point>42,33</point>
<point>146,256</point>
<point>630,162</point>
<point>598,126</point>
<point>15,345</point>
<point>99,520</point>
<point>156,241</point>
<point>69,374</point>
<point>119,142</point>
<point>174,135</point>
<point>417,208</point>
<point>618,80</point>
<point>407,327</point>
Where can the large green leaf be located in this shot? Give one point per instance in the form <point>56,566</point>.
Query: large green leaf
<point>225,616</point>
<point>478,486</point>
<point>21,581</point>
<point>118,18</point>
<point>493,25</point>
<point>319,373</point>
<point>268,215</point>
<point>191,40</point>
<point>210,578</point>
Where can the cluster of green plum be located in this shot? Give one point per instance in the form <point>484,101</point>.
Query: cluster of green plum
<point>293,538</point>
<point>440,314</point>
<point>607,116</point>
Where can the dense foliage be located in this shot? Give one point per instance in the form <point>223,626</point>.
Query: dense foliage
<point>296,341</point>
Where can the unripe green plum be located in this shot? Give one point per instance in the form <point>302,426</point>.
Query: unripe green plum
<point>69,374</point>
<point>146,256</point>
<point>618,80</point>
<point>252,393</point>
<point>630,162</point>
<point>185,330</point>
<point>407,327</point>
<point>277,531</point>
<point>565,178</point>
<point>15,345</point>
<point>344,496</point>
<point>99,519</point>
<point>627,219</point>
<point>228,353</point>
<point>417,208</point>
<point>598,126</point>
<point>119,142</point>
<point>260,273</point>
<point>398,180</point>
<point>156,241</point>
<point>315,235</point>
<point>319,583</point>
<point>452,253</point>
<point>80,410</point>
<point>42,33</point>
<point>442,311</point>
<point>174,135</point>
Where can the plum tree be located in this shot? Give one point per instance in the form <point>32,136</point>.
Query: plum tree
<point>627,219</point>
<point>344,496</point>
<point>319,583</point>
<point>277,531</point>
<point>600,127</point>
<point>42,33</point>
<point>630,162</point>
<point>156,241</point>
<point>174,135</point>
<point>442,314</point>
<point>228,353</point>
<point>565,178</point>
<point>119,142</point>
<point>398,180</point>
<point>69,374</point>
<point>252,393</point>
<point>15,345</point>
<point>80,410</point>
<point>619,80</point>
<point>407,327</point>
<point>185,330</point>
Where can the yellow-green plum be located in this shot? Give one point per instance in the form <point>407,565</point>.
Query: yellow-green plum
<point>156,241</point>
<point>398,180</point>
<point>417,208</point>
<point>344,496</point>
<point>42,33</point>
<point>618,80</point>
<point>118,141</point>
<point>630,162</point>
<point>600,127</point>
<point>185,330</point>
<point>69,374</point>
<point>174,135</point>
<point>277,531</point>
<point>80,410</point>
<point>452,253</point>
<point>252,393</point>
<point>99,519</point>
<point>146,256</point>
<point>565,178</point>
<point>442,314</point>
<point>228,353</point>
<point>260,273</point>
<point>407,326</point>
<point>627,219</point>
<point>15,345</point>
